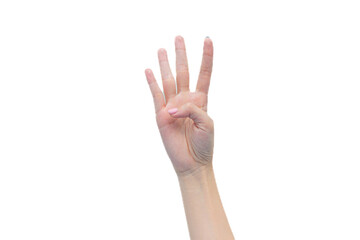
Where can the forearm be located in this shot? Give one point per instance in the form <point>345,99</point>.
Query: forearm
<point>205,214</point>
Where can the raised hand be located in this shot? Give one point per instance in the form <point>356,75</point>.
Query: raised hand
<point>185,127</point>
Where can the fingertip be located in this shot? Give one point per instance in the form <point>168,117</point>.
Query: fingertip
<point>208,42</point>
<point>179,37</point>
<point>147,72</point>
<point>162,54</point>
<point>149,76</point>
<point>161,51</point>
<point>179,41</point>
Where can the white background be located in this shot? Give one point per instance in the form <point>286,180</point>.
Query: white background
<point>80,153</point>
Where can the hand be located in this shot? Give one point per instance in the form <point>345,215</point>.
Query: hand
<point>185,127</point>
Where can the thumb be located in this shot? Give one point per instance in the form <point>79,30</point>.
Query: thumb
<point>190,110</point>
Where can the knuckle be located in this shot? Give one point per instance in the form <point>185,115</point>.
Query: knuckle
<point>182,66</point>
<point>182,72</point>
<point>205,71</point>
<point>157,95</point>
<point>168,79</point>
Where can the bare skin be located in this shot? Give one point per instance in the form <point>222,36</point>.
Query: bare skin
<point>188,136</point>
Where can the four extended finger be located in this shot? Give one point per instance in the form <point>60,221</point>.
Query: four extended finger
<point>182,68</point>
<point>166,75</point>
<point>155,90</point>
<point>206,67</point>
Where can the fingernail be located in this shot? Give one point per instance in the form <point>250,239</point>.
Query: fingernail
<point>172,110</point>
<point>207,37</point>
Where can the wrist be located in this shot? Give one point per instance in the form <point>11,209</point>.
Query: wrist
<point>202,175</point>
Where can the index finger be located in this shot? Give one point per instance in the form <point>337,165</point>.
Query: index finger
<point>206,66</point>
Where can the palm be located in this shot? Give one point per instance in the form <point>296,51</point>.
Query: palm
<point>187,144</point>
<point>164,119</point>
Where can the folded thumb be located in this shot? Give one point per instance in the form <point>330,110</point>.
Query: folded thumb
<point>190,110</point>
